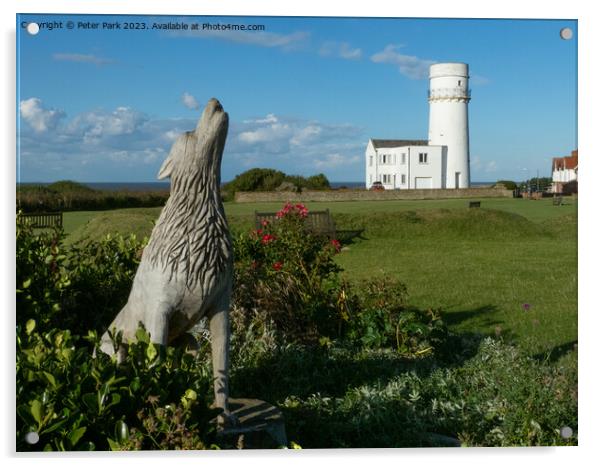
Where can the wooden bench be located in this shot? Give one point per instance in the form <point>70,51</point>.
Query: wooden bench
<point>42,219</point>
<point>318,222</point>
<point>557,200</point>
<point>474,204</point>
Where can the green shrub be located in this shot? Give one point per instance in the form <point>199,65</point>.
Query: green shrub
<point>286,277</point>
<point>267,179</point>
<point>382,319</point>
<point>498,397</point>
<point>507,184</point>
<point>287,280</point>
<point>80,287</point>
<point>158,398</point>
<point>74,401</point>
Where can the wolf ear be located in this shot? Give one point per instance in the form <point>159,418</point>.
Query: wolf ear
<point>177,150</point>
<point>166,168</point>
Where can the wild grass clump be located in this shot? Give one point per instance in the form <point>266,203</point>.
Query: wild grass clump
<point>493,396</point>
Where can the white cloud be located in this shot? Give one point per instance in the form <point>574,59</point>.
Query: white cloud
<point>306,134</point>
<point>98,124</point>
<point>171,135</point>
<point>296,146</point>
<point>272,132</point>
<point>190,101</point>
<point>81,58</point>
<point>270,118</point>
<point>123,144</point>
<point>38,117</point>
<point>336,160</point>
<point>410,66</point>
<point>341,50</point>
<point>259,38</point>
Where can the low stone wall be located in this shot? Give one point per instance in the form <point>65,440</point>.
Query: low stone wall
<point>365,195</point>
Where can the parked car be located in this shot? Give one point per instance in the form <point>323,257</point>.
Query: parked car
<point>377,186</point>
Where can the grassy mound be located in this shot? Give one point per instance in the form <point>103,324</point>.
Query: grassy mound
<point>443,223</point>
<point>124,221</point>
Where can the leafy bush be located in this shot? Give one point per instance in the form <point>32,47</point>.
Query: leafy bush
<point>498,397</point>
<point>382,319</point>
<point>156,399</point>
<point>286,276</point>
<point>287,279</point>
<point>65,297</point>
<point>507,184</point>
<point>81,287</point>
<point>267,179</point>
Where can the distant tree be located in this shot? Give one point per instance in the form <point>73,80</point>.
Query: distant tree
<point>68,186</point>
<point>507,184</point>
<point>297,180</point>
<point>256,179</point>
<point>267,179</point>
<point>536,184</point>
<point>318,182</point>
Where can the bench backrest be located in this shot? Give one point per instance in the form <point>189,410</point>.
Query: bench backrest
<point>43,219</point>
<point>317,221</point>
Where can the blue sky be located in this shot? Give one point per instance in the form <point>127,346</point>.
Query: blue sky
<point>304,95</point>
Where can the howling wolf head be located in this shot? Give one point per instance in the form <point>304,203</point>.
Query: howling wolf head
<point>194,211</point>
<point>196,156</point>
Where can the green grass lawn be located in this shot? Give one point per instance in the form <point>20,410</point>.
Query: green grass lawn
<point>478,266</point>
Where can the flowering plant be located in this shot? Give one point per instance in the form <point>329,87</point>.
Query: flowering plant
<point>285,270</point>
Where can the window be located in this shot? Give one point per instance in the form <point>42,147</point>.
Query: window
<point>371,160</point>
<point>387,179</point>
<point>459,83</point>
<point>370,179</point>
<point>403,178</point>
<point>403,158</point>
<point>384,158</point>
<point>422,157</point>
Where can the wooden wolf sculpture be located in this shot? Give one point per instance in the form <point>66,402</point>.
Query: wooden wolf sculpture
<point>185,272</point>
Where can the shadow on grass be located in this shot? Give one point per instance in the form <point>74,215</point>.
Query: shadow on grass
<point>482,316</point>
<point>301,372</point>
<point>556,353</point>
<point>485,314</point>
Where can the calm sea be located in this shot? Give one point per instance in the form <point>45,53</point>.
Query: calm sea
<point>158,186</point>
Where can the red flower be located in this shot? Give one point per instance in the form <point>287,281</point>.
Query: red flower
<point>265,223</point>
<point>298,209</point>
<point>267,238</point>
<point>336,244</point>
<point>277,265</point>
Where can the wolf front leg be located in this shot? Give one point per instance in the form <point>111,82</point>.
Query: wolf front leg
<point>219,326</point>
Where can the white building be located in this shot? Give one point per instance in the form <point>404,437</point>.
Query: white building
<point>564,171</point>
<point>442,161</point>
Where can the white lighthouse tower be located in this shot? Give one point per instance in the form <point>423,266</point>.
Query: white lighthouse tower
<point>448,120</point>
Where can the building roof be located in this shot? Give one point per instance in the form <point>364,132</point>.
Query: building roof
<point>385,143</point>
<point>566,163</point>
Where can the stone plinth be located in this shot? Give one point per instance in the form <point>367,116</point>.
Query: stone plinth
<point>260,425</point>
